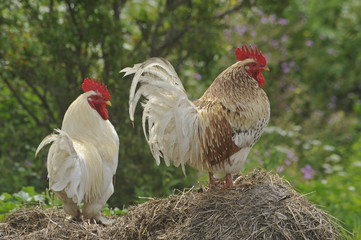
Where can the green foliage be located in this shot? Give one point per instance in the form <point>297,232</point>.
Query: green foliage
<point>26,197</point>
<point>49,47</point>
<point>113,211</point>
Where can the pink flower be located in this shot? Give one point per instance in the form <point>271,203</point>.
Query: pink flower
<point>331,105</point>
<point>308,172</point>
<point>267,153</point>
<point>283,21</point>
<point>284,38</point>
<point>264,20</point>
<point>241,30</point>
<point>198,76</point>
<point>274,43</point>
<point>280,169</point>
<point>227,34</point>
<point>309,43</point>
<point>331,51</point>
<point>285,67</point>
<point>323,37</point>
<point>291,155</point>
<point>272,18</point>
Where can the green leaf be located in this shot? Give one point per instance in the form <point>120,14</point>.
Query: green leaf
<point>5,196</point>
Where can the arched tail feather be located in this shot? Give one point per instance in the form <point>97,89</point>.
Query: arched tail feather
<point>170,119</point>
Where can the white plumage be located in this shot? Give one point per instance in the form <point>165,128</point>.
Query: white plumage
<point>168,113</point>
<point>82,159</point>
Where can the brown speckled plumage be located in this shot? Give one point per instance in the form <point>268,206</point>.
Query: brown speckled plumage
<point>234,99</point>
<point>233,104</point>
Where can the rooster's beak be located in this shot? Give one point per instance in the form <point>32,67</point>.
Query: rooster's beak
<point>265,68</point>
<point>108,103</point>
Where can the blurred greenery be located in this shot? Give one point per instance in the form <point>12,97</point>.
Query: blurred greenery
<point>49,46</point>
<point>27,196</point>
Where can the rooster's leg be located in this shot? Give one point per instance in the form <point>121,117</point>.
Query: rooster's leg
<point>78,215</point>
<point>92,221</point>
<point>229,181</point>
<point>211,182</point>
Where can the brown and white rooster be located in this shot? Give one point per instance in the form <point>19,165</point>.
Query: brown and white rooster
<point>214,133</point>
<point>83,157</point>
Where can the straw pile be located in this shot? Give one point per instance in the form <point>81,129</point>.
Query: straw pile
<point>267,209</point>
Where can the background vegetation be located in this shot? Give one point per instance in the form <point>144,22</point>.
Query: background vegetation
<point>49,46</point>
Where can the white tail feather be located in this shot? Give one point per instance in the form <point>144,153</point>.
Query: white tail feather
<point>65,142</point>
<point>47,140</point>
<point>69,170</point>
<point>170,119</point>
<point>62,165</point>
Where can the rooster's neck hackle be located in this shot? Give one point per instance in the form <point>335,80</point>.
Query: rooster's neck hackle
<point>232,83</point>
<point>81,121</point>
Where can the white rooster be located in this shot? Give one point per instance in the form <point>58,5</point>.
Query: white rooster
<point>83,157</point>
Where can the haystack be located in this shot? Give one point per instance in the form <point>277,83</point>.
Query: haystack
<point>268,208</point>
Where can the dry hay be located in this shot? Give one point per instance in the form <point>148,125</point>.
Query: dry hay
<point>268,209</point>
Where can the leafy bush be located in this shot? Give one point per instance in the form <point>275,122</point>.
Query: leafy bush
<point>26,197</point>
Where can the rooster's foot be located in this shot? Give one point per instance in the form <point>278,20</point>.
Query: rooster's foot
<point>239,182</point>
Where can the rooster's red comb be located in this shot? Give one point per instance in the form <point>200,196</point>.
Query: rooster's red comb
<point>90,84</point>
<point>254,54</point>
